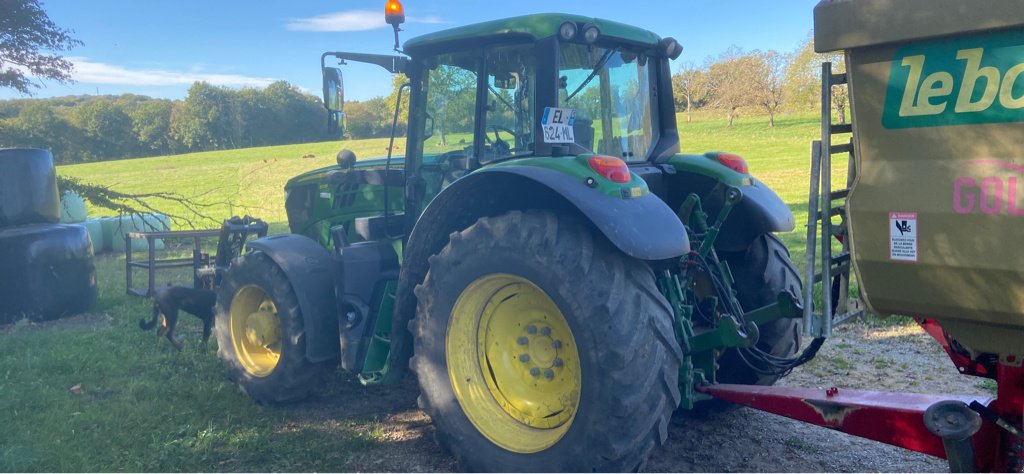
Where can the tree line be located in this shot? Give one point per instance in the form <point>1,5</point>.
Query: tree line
<point>95,128</point>
<point>763,81</point>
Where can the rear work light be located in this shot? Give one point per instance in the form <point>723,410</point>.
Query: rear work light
<point>733,162</point>
<point>610,168</point>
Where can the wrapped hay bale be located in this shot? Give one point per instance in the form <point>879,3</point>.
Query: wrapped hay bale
<point>28,187</point>
<point>48,271</point>
<point>94,227</point>
<point>72,208</point>
<point>120,226</point>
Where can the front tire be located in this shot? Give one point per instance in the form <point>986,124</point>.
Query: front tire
<point>539,348</point>
<point>260,334</point>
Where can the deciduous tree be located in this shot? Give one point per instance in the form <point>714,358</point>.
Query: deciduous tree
<point>803,79</point>
<point>209,119</point>
<point>28,41</point>
<point>151,124</point>
<point>731,81</point>
<point>690,87</point>
<point>769,81</point>
<point>106,128</point>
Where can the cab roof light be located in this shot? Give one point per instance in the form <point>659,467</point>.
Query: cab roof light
<point>733,162</point>
<point>611,168</point>
<point>567,30</point>
<point>394,13</point>
<point>591,33</point>
<point>670,47</point>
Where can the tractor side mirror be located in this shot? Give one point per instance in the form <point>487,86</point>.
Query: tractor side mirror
<point>334,100</point>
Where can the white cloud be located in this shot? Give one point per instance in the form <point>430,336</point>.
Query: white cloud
<point>90,72</point>
<point>352,20</point>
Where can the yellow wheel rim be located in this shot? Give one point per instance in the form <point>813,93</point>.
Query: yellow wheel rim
<point>513,363</point>
<point>255,330</point>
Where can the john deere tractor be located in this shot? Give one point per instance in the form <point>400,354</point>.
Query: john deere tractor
<point>557,275</point>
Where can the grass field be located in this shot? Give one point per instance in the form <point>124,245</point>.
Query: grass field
<point>145,407</point>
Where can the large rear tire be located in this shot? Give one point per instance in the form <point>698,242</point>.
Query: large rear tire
<point>540,348</point>
<point>260,334</point>
<point>762,272</point>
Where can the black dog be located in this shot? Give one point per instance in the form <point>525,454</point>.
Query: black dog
<point>168,300</point>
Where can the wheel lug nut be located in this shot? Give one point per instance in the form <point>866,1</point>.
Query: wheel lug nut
<point>545,331</point>
<point>531,329</point>
<point>557,362</point>
<point>524,358</point>
<point>548,373</point>
<point>534,371</point>
<point>523,341</point>
<point>556,344</point>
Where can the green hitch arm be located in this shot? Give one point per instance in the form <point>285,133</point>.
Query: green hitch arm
<point>732,196</point>
<point>671,288</point>
<point>692,214</point>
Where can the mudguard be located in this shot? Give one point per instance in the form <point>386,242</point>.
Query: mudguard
<point>760,211</point>
<point>644,227</point>
<point>307,266</point>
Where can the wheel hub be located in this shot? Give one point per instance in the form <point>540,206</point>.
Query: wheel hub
<point>513,363</point>
<point>255,330</point>
<point>261,327</point>
<point>541,349</point>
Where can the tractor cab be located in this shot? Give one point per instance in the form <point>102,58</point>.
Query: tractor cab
<point>546,85</point>
<point>542,85</point>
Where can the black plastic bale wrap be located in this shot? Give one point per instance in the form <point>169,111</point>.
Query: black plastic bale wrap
<point>28,187</point>
<point>46,271</point>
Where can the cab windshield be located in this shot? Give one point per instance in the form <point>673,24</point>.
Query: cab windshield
<point>610,92</point>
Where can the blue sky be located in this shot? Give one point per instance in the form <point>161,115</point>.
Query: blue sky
<point>159,48</point>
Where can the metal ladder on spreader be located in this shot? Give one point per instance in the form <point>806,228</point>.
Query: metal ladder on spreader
<point>824,204</point>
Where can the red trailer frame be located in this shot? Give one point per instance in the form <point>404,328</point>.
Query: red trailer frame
<point>899,418</point>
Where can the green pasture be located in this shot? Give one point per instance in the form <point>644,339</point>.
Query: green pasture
<point>144,407</point>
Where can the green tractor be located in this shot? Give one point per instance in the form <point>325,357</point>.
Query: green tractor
<point>557,275</point>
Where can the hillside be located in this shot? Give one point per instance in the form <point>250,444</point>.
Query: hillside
<point>251,180</point>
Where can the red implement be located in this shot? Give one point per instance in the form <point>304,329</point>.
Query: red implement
<point>891,418</point>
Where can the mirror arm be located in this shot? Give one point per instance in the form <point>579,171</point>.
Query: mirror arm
<point>392,64</point>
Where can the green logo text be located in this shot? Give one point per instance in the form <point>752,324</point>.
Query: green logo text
<point>979,79</point>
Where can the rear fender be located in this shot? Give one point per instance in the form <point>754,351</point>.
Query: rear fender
<point>760,211</point>
<point>644,227</point>
<point>307,266</point>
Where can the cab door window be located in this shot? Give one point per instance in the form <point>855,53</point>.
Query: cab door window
<point>450,102</point>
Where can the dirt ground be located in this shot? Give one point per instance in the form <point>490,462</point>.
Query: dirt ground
<point>894,358</point>
<point>858,356</point>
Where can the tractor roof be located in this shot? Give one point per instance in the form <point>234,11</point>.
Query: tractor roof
<point>535,27</point>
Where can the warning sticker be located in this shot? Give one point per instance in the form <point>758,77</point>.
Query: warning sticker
<point>903,236</point>
<point>557,125</point>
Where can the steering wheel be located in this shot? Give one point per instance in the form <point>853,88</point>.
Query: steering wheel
<point>499,146</point>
